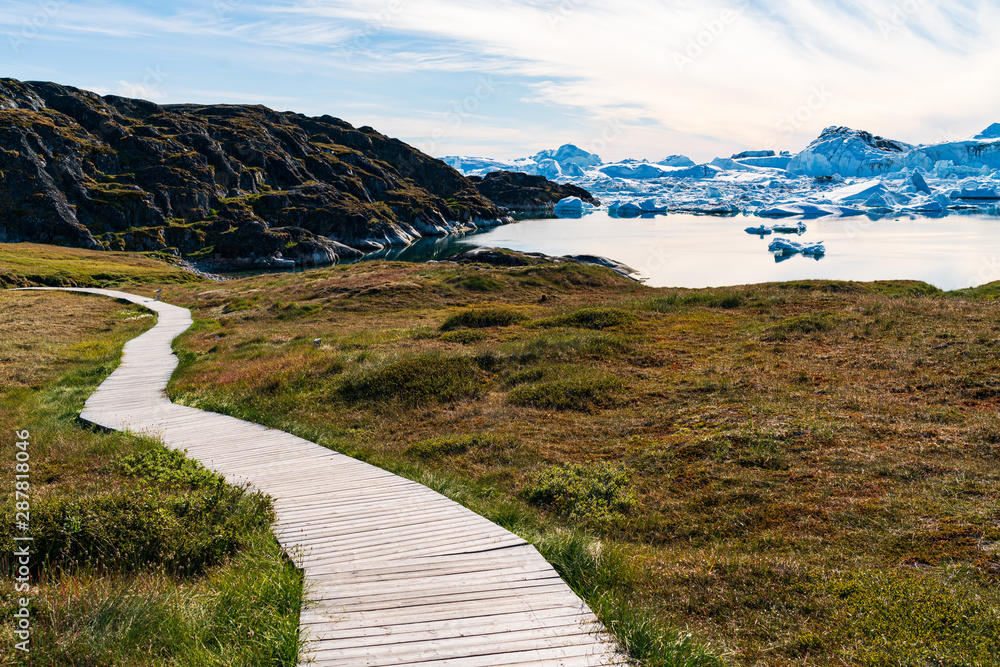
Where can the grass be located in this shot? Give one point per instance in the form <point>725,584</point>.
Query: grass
<point>482,318</point>
<point>791,474</point>
<point>580,394</point>
<point>413,381</point>
<point>34,265</point>
<point>141,556</point>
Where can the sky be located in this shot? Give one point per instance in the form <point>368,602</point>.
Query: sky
<point>507,78</point>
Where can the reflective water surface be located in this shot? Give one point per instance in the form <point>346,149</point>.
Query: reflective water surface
<point>680,250</point>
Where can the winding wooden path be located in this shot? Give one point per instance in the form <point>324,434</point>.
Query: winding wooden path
<point>396,574</point>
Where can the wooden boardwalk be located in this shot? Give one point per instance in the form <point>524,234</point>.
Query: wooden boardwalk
<point>396,574</point>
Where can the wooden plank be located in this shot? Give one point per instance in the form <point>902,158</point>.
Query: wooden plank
<point>395,573</point>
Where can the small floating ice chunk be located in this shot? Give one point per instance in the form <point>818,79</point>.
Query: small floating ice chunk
<point>653,205</point>
<point>760,230</point>
<point>797,228</point>
<point>786,247</point>
<point>573,205</point>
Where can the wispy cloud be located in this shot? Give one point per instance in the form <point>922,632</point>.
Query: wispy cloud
<point>670,75</point>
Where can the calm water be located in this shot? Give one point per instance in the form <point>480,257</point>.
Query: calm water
<point>698,251</point>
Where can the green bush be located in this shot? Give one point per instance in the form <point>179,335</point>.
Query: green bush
<point>128,531</point>
<point>582,394</point>
<point>483,318</point>
<point>897,618</point>
<point>464,336</point>
<point>167,467</point>
<point>595,494</point>
<point>552,346</point>
<point>479,283</point>
<point>591,318</point>
<point>413,381</point>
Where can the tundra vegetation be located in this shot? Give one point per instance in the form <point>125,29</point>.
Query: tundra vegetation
<point>801,473</point>
<point>140,556</point>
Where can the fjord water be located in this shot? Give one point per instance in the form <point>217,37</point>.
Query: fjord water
<point>679,250</point>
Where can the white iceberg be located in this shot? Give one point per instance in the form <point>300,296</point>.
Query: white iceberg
<point>841,150</point>
<point>783,246</point>
<point>573,205</point>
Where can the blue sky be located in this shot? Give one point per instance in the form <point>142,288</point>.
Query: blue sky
<point>507,78</point>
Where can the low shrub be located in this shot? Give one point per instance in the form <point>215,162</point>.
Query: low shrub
<point>897,618</point>
<point>414,381</point>
<point>483,318</point>
<point>582,394</point>
<point>464,336</point>
<point>129,531</point>
<point>594,494</point>
<point>578,344</point>
<point>591,318</point>
<point>166,467</point>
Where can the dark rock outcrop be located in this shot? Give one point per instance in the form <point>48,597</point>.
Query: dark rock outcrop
<point>231,185</point>
<point>526,193</point>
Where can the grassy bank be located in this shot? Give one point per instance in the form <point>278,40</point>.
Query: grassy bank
<point>141,557</point>
<point>791,474</point>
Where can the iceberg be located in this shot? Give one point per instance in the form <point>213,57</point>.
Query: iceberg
<point>797,228</point>
<point>977,193</point>
<point>653,205</point>
<point>759,230</point>
<point>641,171</point>
<point>992,132</point>
<point>784,246</point>
<point>629,210</point>
<point>677,161</point>
<point>841,150</point>
<point>842,173</point>
<point>572,205</point>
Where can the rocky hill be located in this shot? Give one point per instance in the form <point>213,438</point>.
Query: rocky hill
<point>227,185</point>
<point>526,193</point>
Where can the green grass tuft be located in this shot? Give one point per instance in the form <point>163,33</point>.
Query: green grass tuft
<point>582,394</point>
<point>591,318</point>
<point>484,318</point>
<point>414,381</point>
<point>596,494</point>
